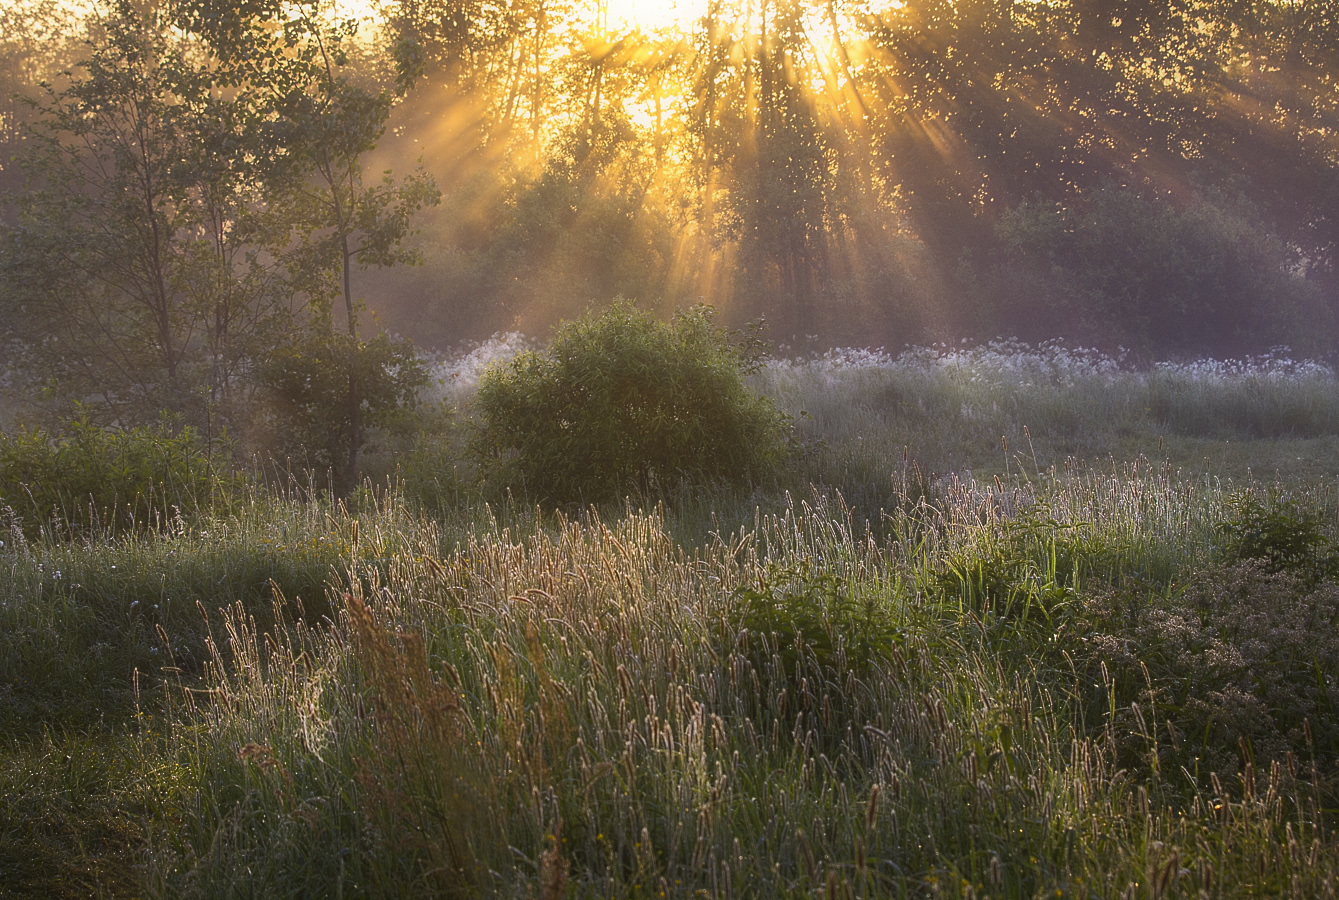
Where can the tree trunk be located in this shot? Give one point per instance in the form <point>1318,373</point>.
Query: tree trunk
<point>354,409</point>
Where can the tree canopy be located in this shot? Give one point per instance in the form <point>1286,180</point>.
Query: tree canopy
<point>885,172</point>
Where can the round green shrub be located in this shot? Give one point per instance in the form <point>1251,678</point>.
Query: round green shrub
<point>622,403</point>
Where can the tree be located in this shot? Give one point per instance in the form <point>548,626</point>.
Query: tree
<point>35,42</point>
<point>198,198</point>
<point>140,259</point>
<point>321,121</point>
<point>345,221</point>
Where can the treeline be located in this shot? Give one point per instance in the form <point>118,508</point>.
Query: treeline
<point>198,207</point>
<point>1158,176</point>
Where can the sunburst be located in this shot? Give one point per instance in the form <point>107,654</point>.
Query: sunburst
<point>655,14</point>
<point>618,15</point>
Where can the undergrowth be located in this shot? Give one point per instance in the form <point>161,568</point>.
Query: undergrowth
<point>1109,681</point>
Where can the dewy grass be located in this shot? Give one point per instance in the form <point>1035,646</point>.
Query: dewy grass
<point>1005,407</point>
<point>949,684</point>
<point>77,621</point>
<point>72,812</point>
<point>576,700</point>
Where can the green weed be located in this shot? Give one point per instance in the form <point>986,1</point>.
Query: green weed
<point>92,479</point>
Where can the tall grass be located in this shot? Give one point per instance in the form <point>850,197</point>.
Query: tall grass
<point>1007,408</point>
<point>1049,679</point>
<point>580,704</point>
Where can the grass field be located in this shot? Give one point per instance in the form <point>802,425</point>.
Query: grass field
<point>1014,623</point>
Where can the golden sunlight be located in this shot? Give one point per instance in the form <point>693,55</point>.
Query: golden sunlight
<point>624,14</point>
<point>618,15</point>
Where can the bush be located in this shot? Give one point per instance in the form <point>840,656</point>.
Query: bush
<point>620,402</point>
<point>1282,536</point>
<point>305,385</point>
<point>800,610</point>
<point>430,471</point>
<point>1239,666</point>
<point>1028,571</point>
<point>93,478</point>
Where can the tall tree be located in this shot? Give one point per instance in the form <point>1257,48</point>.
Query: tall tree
<point>129,228</point>
<point>323,119</point>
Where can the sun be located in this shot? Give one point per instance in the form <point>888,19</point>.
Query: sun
<point>622,15</point>
<point>650,15</point>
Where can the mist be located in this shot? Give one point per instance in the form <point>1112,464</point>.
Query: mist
<point>1156,181</point>
<point>1159,178</point>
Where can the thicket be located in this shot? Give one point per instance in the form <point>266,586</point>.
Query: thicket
<point>305,416</point>
<point>1232,669</point>
<point>194,207</point>
<point>91,480</point>
<point>620,403</point>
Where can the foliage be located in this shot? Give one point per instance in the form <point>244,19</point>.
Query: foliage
<point>933,413</point>
<point>851,195</point>
<point>506,702</point>
<point>64,829</point>
<point>804,610</point>
<point>1123,268</point>
<point>76,623</point>
<point>620,402</point>
<point>855,193</point>
<point>305,392</point>
<point>432,473</point>
<point>35,45</point>
<point>1237,667</point>
<point>197,196</point>
<point>1260,402</point>
<point>621,744</point>
<point>143,268</point>
<point>329,121</point>
<point>421,725</point>
<point>1027,569</point>
<point>91,478</point>
<point>1282,536</point>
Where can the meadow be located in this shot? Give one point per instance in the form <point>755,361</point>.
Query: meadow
<point>1012,622</point>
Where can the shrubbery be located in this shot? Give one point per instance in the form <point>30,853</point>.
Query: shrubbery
<point>1282,537</point>
<point>802,609</point>
<point>93,477</point>
<point>1238,667</point>
<point>307,414</point>
<point>620,402</point>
